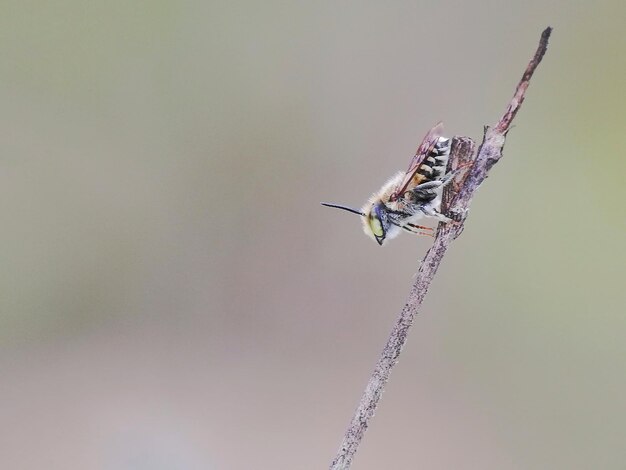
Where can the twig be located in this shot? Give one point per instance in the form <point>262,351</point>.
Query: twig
<point>456,204</point>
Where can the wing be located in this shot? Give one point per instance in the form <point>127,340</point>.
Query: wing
<point>423,150</point>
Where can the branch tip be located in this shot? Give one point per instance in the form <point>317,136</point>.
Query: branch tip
<point>518,98</point>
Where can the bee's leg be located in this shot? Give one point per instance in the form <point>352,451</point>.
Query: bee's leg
<point>443,218</point>
<point>451,175</point>
<point>428,185</point>
<point>420,227</point>
<point>425,192</point>
<point>448,177</point>
<point>430,211</point>
<point>430,188</point>
<point>417,230</point>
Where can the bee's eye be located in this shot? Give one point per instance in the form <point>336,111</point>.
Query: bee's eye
<point>376,226</point>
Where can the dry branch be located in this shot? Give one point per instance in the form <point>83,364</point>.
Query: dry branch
<point>456,203</point>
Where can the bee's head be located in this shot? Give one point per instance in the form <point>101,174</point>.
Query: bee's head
<point>376,222</point>
<point>375,219</point>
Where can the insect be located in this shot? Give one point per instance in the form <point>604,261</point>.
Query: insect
<point>411,195</point>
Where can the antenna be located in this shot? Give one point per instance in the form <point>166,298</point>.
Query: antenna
<point>345,208</point>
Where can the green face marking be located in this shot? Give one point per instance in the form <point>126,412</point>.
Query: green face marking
<point>376,226</point>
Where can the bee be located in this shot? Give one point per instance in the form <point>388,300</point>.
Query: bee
<point>411,195</point>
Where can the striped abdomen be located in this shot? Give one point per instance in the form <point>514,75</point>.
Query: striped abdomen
<point>434,165</point>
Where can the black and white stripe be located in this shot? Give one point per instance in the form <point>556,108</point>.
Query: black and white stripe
<point>434,165</point>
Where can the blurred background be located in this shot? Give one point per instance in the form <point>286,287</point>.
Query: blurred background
<point>173,296</point>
